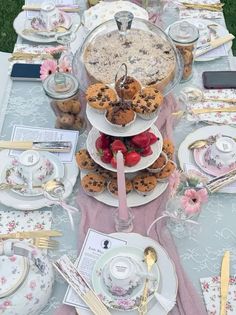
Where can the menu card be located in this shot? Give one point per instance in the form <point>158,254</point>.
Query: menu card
<point>94,246</point>
<point>29,133</point>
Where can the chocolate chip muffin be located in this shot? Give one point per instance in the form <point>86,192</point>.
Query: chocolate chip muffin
<point>120,114</point>
<point>108,175</point>
<point>144,184</point>
<point>158,164</point>
<point>93,184</point>
<point>100,96</point>
<point>113,187</point>
<point>84,160</point>
<point>163,175</point>
<point>168,148</point>
<point>128,88</point>
<point>147,102</point>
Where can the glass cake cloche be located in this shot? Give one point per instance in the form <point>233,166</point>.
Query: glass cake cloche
<point>149,54</point>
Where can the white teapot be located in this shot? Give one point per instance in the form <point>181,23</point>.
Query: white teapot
<point>26,278</point>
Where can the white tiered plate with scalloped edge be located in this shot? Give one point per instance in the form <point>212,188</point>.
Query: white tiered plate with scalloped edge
<point>142,164</point>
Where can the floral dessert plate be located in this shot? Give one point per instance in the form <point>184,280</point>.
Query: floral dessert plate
<point>11,199</point>
<point>210,165</point>
<point>13,272</point>
<point>133,199</point>
<point>143,163</point>
<point>50,168</point>
<point>131,299</point>
<point>22,26</point>
<point>186,156</point>
<point>99,122</point>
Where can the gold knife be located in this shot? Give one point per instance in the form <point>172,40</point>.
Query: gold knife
<point>224,282</point>
<point>31,234</point>
<point>51,146</point>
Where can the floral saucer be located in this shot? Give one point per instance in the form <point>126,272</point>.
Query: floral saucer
<point>50,168</point>
<point>208,165</point>
<point>131,300</point>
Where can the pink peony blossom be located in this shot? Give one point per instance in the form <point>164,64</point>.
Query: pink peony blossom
<point>48,67</point>
<point>192,200</point>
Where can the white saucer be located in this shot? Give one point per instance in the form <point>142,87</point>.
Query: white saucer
<point>142,164</point>
<point>133,199</point>
<point>58,172</point>
<point>21,22</point>
<point>221,31</point>
<point>168,284</point>
<point>129,301</point>
<point>99,122</point>
<point>185,156</point>
<point>11,199</point>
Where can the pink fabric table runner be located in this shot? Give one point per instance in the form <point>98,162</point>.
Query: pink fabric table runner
<point>99,217</point>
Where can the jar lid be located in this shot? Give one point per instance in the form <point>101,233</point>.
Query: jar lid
<point>183,32</point>
<point>61,85</point>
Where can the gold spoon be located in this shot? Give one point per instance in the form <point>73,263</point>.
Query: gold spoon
<point>201,143</point>
<point>150,257</point>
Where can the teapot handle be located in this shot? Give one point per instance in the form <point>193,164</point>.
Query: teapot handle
<point>12,247</point>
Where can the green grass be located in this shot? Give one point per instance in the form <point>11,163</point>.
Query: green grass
<point>10,8</point>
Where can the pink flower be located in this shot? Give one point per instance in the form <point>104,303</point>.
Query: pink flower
<point>3,280</point>
<point>55,51</point>
<point>7,303</point>
<point>12,258</point>
<point>29,296</point>
<point>174,181</point>
<point>48,67</point>
<point>65,66</point>
<point>192,200</point>
<point>32,285</point>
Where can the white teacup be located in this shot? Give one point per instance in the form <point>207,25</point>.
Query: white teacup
<point>222,152</point>
<point>49,14</point>
<point>121,275</point>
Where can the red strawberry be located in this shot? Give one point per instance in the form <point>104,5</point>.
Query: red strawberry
<point>142,140</point>
<point>153,138</point>
<point>105,155</point>
<point>118,145</point>
<point>114,162</point>
<point>132,158</point>
<point>102,143</point>
<point>146,151</point>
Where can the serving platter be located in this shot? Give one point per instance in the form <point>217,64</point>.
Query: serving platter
<point>143,163</point>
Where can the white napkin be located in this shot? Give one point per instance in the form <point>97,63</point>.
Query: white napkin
<point>194,13</point>
<point>211,293</point>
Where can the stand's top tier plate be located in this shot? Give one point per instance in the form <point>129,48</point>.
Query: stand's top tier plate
<point>147,51</point>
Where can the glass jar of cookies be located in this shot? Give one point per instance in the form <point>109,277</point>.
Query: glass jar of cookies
<point>185,36</point>
<point>67,103</point>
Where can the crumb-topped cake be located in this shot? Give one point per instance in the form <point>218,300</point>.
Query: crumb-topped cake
<point>149,58</point>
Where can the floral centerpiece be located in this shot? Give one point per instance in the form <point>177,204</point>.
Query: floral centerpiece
<point>57,64</point>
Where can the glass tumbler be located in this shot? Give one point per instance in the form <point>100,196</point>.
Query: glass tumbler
<point>185,36</point>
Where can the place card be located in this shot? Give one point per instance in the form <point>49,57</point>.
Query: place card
<point>95,245</point>
<point>21,133</point>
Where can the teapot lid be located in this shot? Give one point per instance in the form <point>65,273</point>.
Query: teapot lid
<point>183,32</point>
<point>13,271</point>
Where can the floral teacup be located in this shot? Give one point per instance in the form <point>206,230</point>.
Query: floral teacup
<point>222,153</point>
<point>121,275</point>
<point>50,15</point>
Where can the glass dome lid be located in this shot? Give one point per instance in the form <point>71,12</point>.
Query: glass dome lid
<point>148,52</point>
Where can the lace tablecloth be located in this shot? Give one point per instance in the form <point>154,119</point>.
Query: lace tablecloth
<point>201,253</point>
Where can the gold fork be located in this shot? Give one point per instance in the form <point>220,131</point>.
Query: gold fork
<point>46,243</point>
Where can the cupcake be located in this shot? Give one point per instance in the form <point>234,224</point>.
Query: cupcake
<point>158,164</point>
<point>168,148</point>
<point>120,115</point>
<point>84,160</point>
<point>147,103</point>
<point>113,187</point>
<point>128,88</point>
<point>100,96</point>
<point>144,184</point>
<point>93,184</point>
<point>108,175</point>
<point>163,175</point>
